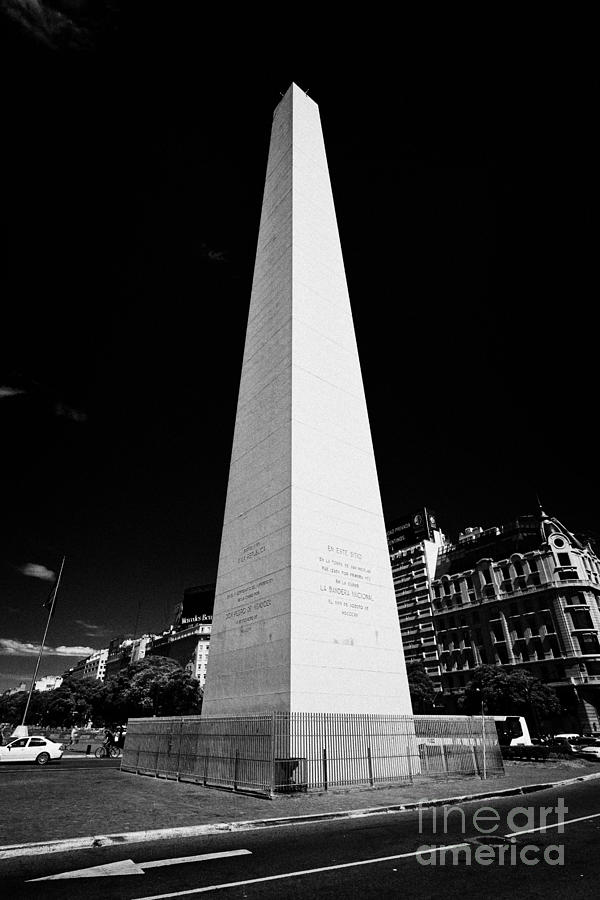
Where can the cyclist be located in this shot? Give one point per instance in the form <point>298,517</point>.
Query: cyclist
<point>109,741</point>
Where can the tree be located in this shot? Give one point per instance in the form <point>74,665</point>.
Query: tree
<point>509,693</point>
<point>154,686</point>
<point>12,707</point>
<point>420,685</point>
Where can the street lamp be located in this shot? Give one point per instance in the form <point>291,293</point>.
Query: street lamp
<point>479,692</point>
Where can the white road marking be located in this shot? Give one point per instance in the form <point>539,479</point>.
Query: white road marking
<point>187,859</point>
<point>360,862</point>
<point>554,825</point>
<point>129,867</point>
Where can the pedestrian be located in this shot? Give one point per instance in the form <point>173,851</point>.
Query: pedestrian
<point>74,734</point>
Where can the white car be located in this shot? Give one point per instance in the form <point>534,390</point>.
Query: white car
<point>35,749</point>
<point>590,751</point>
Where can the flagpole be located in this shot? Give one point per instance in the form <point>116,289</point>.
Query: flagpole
<point>39,659</point>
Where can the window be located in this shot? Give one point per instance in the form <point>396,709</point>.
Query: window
<point>37,742</point>
<point>581,618</point>
<point>496,629</point>
<point>588,643</point>
<point>518,564</point>
<point>552,642</point>
<point>487,575</point>
<point>22,742</point>
<point>564,559</point>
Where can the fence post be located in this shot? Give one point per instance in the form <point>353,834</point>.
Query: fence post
<point>409,749</point>
<point>235,770</point>
<point>179,754</point>
<point>370,766</point>
<point>325,768</point>
<point>483,741</point>
<point>272,755</point>
<point>206,759</point>
<point>473,747</point>
<point>445,759</point>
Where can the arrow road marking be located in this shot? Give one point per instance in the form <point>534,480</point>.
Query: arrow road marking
<point>129,867</point>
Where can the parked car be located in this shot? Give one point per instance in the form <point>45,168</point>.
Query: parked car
<point>587,742</point>
<point>562,745</point>
<point>591,752</point>
<point>35,749</point>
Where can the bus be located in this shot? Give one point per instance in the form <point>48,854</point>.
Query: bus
<point>512,731</point>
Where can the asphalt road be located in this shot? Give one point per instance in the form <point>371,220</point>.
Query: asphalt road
<point>370,856</point>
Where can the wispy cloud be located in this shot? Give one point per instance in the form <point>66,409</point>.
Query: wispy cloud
<point>35,570</point>
<point>216,256</point>
<point>69,412</point>
<point>43,394</point>
<point>92,630</point>
<point>75,25</point>
<point>7,391</point>
<point>9,647</point>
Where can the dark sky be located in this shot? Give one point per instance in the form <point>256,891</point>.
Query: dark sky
<point>133,161</point>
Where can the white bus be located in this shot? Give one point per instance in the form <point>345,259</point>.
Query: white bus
<point>512,731</point>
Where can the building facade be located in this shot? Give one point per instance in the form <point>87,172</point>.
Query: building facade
<point>48,683</point>
<point>525,594</point>
<point>188,639</point>
<point>522,595</point>
<point>414,544</point>
<point>95,665</point>
<point>188,646</point>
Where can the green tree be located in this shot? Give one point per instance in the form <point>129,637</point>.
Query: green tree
<point>421,687</point>
<point>12,707</point>
<point>154,686</point>
<point>60,711</point>
<point>509,693</point>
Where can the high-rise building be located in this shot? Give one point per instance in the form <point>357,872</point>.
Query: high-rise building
<point>414,543</point>
<point>188,639</point>
<point>521,595</point>
<point>95,665</point>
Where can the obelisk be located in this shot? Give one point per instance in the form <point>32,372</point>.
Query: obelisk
<point>305,615</point>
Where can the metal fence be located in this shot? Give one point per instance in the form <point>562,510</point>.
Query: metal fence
<point>285,752</point>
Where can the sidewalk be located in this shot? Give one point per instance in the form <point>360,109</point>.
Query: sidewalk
<point>53,804</point>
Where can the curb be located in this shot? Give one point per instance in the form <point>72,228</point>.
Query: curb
<point>90,842</point>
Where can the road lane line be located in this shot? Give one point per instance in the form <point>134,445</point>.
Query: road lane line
<point>554,825</point>
<point>360,862</point>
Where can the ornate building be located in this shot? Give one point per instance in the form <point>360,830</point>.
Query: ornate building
<point>526,595</point>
